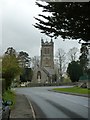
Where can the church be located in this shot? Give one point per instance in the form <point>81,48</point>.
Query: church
<point>44,73</point>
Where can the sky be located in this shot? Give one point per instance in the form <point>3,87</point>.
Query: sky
<point>17,28</point>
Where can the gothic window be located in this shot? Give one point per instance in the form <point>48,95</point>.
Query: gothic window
<point>38,74</point>
<point>46,50</point>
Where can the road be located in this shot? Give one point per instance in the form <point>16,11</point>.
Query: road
<point>49,104</point>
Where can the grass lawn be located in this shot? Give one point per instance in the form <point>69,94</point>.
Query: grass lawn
<point>9,95</point>
<point>73,90</point>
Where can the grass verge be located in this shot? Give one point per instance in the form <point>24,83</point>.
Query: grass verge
<point>9,96</point>
<point>73,90</point>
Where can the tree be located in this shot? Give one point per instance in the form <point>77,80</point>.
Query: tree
<point>74,71</point>
<point>27,75</point>
<point>10,51</point>
<point>10,69</point>
<point>35,61</point>
<point>84,57</point>
<point>24,59</point>
<point>88,72</point>
<point>70,20</point>
<point>25,62</point>
<point>72,54</point>
<point>61,61</point>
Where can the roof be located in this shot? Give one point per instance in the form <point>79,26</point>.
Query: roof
<point>49,70</point>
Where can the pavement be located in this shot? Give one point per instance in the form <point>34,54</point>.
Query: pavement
<point>22,108</point>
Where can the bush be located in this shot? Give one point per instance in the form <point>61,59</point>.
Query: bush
<point>9,96</point>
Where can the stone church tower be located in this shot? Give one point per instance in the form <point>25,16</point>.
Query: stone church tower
<point>47,52</point>
<point>44,73</point>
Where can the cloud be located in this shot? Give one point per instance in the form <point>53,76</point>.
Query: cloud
<point>18,31</point>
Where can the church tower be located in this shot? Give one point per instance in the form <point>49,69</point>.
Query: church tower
<point>45,72</point>
<point>47,54</point>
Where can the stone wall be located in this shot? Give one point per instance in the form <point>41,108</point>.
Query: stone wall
<point>43,76</point>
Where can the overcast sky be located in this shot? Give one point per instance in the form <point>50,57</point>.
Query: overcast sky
<point>18,31</point>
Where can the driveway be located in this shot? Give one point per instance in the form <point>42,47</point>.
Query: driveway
<point>49,104</point>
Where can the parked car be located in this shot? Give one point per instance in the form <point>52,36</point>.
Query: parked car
<point>5,109</point>
<point>23,84</point>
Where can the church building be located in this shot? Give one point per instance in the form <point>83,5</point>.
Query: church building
<point>45,71</point>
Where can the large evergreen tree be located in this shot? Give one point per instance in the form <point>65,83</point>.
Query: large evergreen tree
<point>27,75</point>
<point>24,59</point>
<point>66,19</point>
<point>74,71</point>
<point>84,58</point>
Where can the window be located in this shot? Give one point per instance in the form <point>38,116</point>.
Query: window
<point>38,74</point>
<point>46,50</point>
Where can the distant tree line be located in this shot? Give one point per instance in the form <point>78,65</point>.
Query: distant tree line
<point>18,64</point>
<point>79,68</point>
<point>76,66</point>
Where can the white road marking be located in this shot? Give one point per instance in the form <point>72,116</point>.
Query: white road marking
<point>33,113</point>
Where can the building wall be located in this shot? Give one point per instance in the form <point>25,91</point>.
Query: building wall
<point>43,79</point>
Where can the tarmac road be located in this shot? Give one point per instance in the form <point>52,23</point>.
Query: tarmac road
<point>49,104</point>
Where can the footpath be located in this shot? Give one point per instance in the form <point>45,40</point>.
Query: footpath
<point>22,108</point>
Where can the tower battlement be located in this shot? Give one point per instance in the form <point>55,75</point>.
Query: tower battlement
<point>46,42</point>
